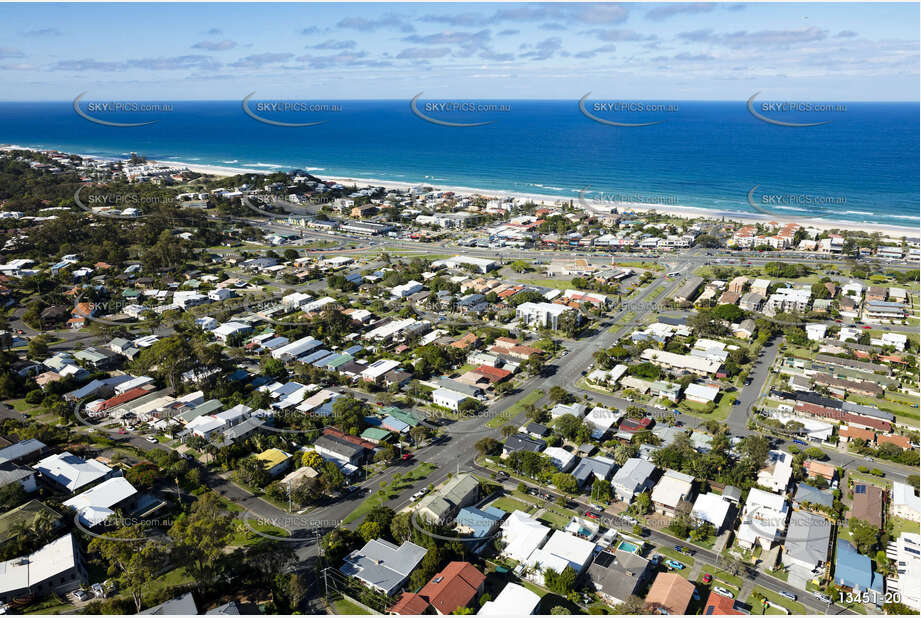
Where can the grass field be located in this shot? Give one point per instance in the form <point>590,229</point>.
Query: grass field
<point>516,409</point>
<point>509,504</point>
<point>668,552</point>
<point>344,606</point>
<point>773,597</point>
<point>390,491</point>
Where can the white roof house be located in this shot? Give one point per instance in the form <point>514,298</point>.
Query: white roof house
<point>229,329</point>
<point>701,393</point>
<point>560,551</point>
<point>407,289</point>
<point>71,471</point>
<point>378,368</point>
<point>775,475</point>
<point>133,383</point>
<point>711,508</point>
<point>905,503</point>
<point>46,564</point>
<point>908,559</point>
<point>600,420</point>
<point>561,409</point>
<point>815,332</point>
<point>671,489</point>
<point>695,364</point>
<point>205,425</point>
<point>94,506</point>
<point>522,535</point>
<point>764,519</point>
<point>296,348</point>
<point>513,600</point>
<point>560,457</point>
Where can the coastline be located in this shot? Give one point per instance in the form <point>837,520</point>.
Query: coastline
<point>894,232</point>
<point>687,212</point>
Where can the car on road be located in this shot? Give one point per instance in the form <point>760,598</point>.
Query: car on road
<point>532,491</point>
<point>418,494</point>
<point>723,592</point>
<point>596,507</point>
<point>151,439</point>
<point>707,578</point>
<point>591,514</point>
<point>501,475</point>
<point>674,565</point>
<point>406,456</point>
<point>681,549</point>
<point>800,442</point>
<point>824,598</point>
<point>868,328</point>
<point>787,594</point>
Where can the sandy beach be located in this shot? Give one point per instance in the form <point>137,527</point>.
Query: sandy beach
<point>598,207</point>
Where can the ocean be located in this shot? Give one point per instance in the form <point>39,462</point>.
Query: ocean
<point>861,166</point>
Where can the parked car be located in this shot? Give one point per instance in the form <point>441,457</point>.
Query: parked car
<point>787,594</point>
<point>800,442</point>
<point>151,439</point>
<point>723,592</point>
<point>707,578</point>
<point>824,598</point>
<point>674,564</point>
<point>591,515</point>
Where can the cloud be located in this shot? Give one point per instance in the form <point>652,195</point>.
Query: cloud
<point>345,59</point>
<point>214,31</point>
<point>544,49</point>
<point>489,54</point>
<point>17,66</point>
<point>42,32</point>
<point>693,57</point>
<point>175,63</point>
<point>762,38</point>
<point>215,45</point>
<point>661,13</point>
<point>589,13</point>
<point>509,32</point>
<point>310,30</point>
<point>846,34</point>
<point>619,35</point>
<point>257,61</point>
<point>423,53</point>
<point>591,53</point>
<point>468,43</point>
<point>9,52</point>
<point>552,26</point>
<point>390,21</point>
<point>460,19</point>
<point>333,44</point>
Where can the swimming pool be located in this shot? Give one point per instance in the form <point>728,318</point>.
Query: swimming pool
<point>627,546</point>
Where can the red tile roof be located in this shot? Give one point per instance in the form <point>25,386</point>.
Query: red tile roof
<point>409,603</point>
<point>900,441</point>
<point>718,605</point>
<point>332,431</point>
<point>125,397</point>
<point>454,587</point>
<point>493,374</point>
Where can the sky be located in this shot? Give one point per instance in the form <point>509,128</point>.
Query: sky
<point>641,51</point>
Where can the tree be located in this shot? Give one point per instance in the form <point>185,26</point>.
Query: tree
<point>201,536</point>
<point>508,430</point>
<point>558,394</point>
<point>488,446</point>
<point>623,452</point>
<point>313,460</point>
<point>814,452</point>
<point>865,535</point>
<point>38,348</point>
<point>566,483</point>
<point>632,606</point>
<point>601,490</point>
<point>642,503</point>
<point>371,530</point>
<point>252,472</point>
<point>142,475</point>
<point>561,583</point>
<point>133,563</point>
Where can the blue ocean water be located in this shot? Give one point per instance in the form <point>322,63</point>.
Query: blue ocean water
<point>862,166</point>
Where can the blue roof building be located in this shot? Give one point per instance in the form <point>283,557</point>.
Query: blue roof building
<point>855,571</point>
<point>480,521</point>
<point>808,493</point>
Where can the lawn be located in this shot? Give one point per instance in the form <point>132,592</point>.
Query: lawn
<point>508,504</point>
<point>773,597</point>
<point>720,413</point>
<point>556,516</point>
<point>668,552</point>
<point>344,606</point>
<point>515,409</point>
<point>733,580</point>
<point>900,525</point>
<point>559,284</point>
<point>390,491</point>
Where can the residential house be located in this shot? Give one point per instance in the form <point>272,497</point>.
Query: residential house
<point>807,541</point>
<point>670,593</point>
<point>673,492</point>
<point>634,477</point>
<point>383,566</point>
<point>456,586</point>
<point>616,575</point>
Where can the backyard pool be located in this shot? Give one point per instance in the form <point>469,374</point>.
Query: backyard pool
<point>630,548</point>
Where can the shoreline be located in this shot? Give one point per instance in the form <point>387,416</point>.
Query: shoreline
<point>686,212</point>
<point>892,231</point>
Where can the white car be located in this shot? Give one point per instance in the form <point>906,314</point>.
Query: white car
<point>151,439</point>
<point>723,592</point>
